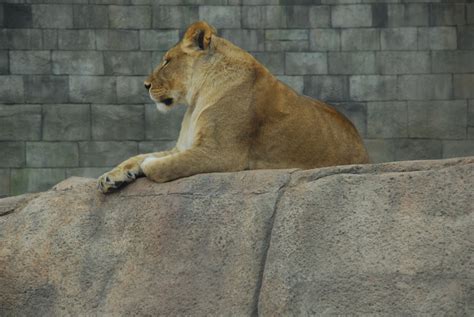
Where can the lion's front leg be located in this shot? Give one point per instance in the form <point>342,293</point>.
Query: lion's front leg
<point>126,172</point>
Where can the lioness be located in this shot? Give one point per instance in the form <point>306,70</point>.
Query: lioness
<point>239,117</point>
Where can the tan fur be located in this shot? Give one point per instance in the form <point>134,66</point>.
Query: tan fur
<point>239,117</point>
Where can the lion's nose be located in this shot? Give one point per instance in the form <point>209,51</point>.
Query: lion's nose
<point>147,85</point>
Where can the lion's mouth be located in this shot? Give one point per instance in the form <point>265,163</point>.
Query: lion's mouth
<point>167,101</point>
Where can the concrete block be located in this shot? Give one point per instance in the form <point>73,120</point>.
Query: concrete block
<point>380,150</point>
<point>396,39</point>
<point>295,82</point>
<point>345,16</point>
<point>89,172</point>
<point>465,37</point>
<point>90,16</point>
<point>275,62</point>
<point>306,63</point>
<point>470,113</point>
<point>11,89</point>
<point>78,63</point>
<point>249,40</point>
<point>12,154</point>
<point>470,132</point>
<point>221,16</point>
<point>328,88</point>
<point>447,14</point>
<point>30,62</point>
<point>53,16</point>
<point>46,89</point>
<point>470,13</point>
<point>17,15</point>
<point>425,87</point>
<point>379,15</point>
<point>463,86</point>
<point>155,146</point>
<point>437,119</point>
<point>325,40</point>
<point>387,119</point>
<point>286,35</point>
<point>351,63</point>
<point>286,46</point>
<point>68,122</point>
<point>130,90</point>
<point>4,62</point>
<point>20,39</point>
<point>4,181</point>
<point>360,39</point>
<point>453,61</point>
<point>296,16</point>
<point>163,126</point>
<point>104,154</point>
<point>116,2</point>
<point>50,39</point>
<point>356,113</point>
<point>373,87</point>
<point>127,63</point>
<point>118,122</point>
<point>92,89</point>
<point>409,62</point>
<point>408,14</point>
<point>20,122</point>
<point>417,149</point>
<point>437,38</point>
<point>1,16</point>
<point>130,17</point>
<point>76,39</point>
<point>52,154</point>
<point>118,40</point>
<point>458,148</point>
<point>263,17</point>
<point>160,40</point>
<point>174,17</point>
<point>28,180</point>
<point>319,16</point>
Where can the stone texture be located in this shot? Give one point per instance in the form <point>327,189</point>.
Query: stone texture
<point>12,154</point>
<point>453,61</point>
<point>360,39</point>
<point>325,40</point>
<point>249,40</point>
<point>356,112</point>
<point>4,61</point>
<point>221,16</point>
<point>52,154</point>
<point>275,62</point>
<point>306,63</point>
<point>351,63</point>
<point>130,90</point>
<point>50,39</point>
<point>76,40</point>
<point>90,16</point>
<point>447,14</point>
<point>437,119</point>
<point>17,15</point>
<point>11,89</point>
<point>163,126</point>
<point>46,89</point>
<point>20,122</point>
<point>404,249</point>
<point>103,154</point>
<point>465,37</point>
<point>373,87</point>
<point>399,39</point>
<point>409,14</point>
<point>70,122</point>
<point>118,122</point>
<point>92,89</point>
<point>91,172</point>
<point>78,63</point>
<point>258,17</point>
<point>463,86</point>
<point>29,180</point>
<point>425,87</point>
<point>269,242</point>
<point>329,88</point>
<point>155,146</point>
<point>458,148</point>
<point>437,38</point>
<point>158,40</point>
<point>20,39</point>
<point>130,17</point>
<point>167,17</point>
<point>127,63</point>
<point>4,181</point>
<point>344,16</point>
<point>319,16</point>
<point>295,82</point>
<point>409,62</point>
<point>387,119</point>
<point>120,40</point>
<point>54,16</point>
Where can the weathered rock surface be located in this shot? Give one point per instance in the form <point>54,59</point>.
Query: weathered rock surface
<point>386,239</point>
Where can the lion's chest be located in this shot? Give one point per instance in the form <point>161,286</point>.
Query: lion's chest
<point>188,131</point>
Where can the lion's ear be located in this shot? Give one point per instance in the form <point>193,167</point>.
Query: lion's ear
<point>198,36</point>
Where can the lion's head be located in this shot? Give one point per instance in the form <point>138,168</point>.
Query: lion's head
<point>169,82</point>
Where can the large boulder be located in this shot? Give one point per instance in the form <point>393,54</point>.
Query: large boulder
<point>386,239</point>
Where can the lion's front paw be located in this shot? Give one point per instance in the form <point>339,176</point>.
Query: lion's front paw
<point>114,180</point>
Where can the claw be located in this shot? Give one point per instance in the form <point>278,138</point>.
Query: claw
<point>131,176</point>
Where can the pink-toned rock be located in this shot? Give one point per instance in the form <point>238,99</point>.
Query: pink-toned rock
<point>390,239</point>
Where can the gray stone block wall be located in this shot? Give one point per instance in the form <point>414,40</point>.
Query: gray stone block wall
<point>72,100</point>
